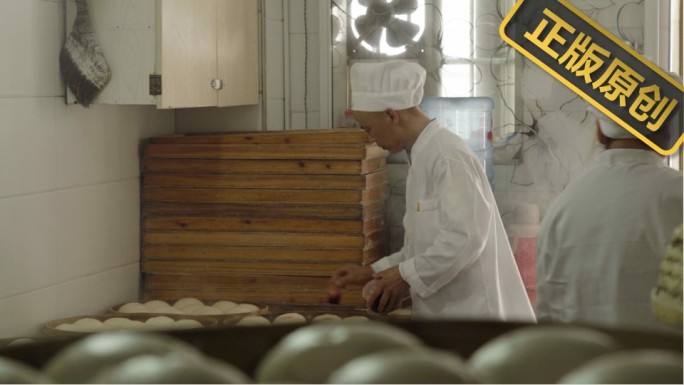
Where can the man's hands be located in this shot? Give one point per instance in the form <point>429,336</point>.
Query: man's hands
<point>348,274</point>
<point>390,289</point>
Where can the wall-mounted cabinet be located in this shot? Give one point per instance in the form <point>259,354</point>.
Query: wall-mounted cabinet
<point>205,52</point>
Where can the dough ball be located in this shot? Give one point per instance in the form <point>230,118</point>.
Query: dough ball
<point>159,322</point>
<point>88,325</point>
<point>155,305</point>
<point>134,324</point>
<point>326,317</point>
<point>115,323</point>
<point>354,318</point>
<point>134,307</point>
<point>289,318</point>
<point>21,341</point>
<point>404,313</point>
<point>207,310</point>
<point>187,324</point>
<point>187,301</point>
<point>224,305</point>
<point>67,327</point>
<point>190,308</point>
<point>242,308</point>
<point>169,310</point>
<point>253,320</point>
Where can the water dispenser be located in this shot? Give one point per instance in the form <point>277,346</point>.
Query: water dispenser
<point>471,119</point>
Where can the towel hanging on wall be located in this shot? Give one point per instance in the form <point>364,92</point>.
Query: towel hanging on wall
<point>82,63</point>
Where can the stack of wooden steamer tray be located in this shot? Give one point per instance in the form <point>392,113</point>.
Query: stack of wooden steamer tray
<point>262,217</point>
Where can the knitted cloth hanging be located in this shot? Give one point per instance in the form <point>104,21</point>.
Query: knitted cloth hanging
<point>82,63</point>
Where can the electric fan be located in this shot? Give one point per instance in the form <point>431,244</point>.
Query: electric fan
<point>388,19</point>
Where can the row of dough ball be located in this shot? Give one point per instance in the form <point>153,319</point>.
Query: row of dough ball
<point>90,325</point>
<point>189,306</point>
<point>294,318</point>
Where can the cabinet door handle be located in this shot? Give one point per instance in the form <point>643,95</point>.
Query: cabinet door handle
<point>217,84</point>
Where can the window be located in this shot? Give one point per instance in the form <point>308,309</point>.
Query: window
<point>387,27</point>
<point>456,41</point>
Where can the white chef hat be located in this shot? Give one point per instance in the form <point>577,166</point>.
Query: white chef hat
<point>611,129</point>
<point>608,126</point>
<point>392,84</point>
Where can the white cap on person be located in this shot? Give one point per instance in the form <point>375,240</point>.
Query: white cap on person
<point>608,126</point>
<point>611,129</point>
<point>392,84</point>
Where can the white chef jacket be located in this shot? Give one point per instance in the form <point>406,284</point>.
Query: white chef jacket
<point>456,257</point>
<point>602,241</point>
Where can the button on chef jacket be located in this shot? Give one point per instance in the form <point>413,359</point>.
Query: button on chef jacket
<point>456,256</point>
<point>603,238</point>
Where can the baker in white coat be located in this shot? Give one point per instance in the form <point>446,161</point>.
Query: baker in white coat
<point>456,261</point>
<point>603,238</point>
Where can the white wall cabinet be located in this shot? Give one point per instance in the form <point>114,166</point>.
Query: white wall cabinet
<point>206,51</point>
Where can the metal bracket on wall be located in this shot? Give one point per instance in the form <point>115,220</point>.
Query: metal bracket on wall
<point>155,85</point>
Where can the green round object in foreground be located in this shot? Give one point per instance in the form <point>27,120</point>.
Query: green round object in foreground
<point>404,366</point>
<point>15,372</point>
<point>171,369</point>
<point>83,359</point>
<point>538,354</point>
<point>642,366</point>
<point>311,353</point>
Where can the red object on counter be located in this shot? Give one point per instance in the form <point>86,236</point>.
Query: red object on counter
<point>334,297</point>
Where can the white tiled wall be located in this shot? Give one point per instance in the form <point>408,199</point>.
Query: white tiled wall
<point>274,64</point>
<point>69,181</point>
<point>303,61</point>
